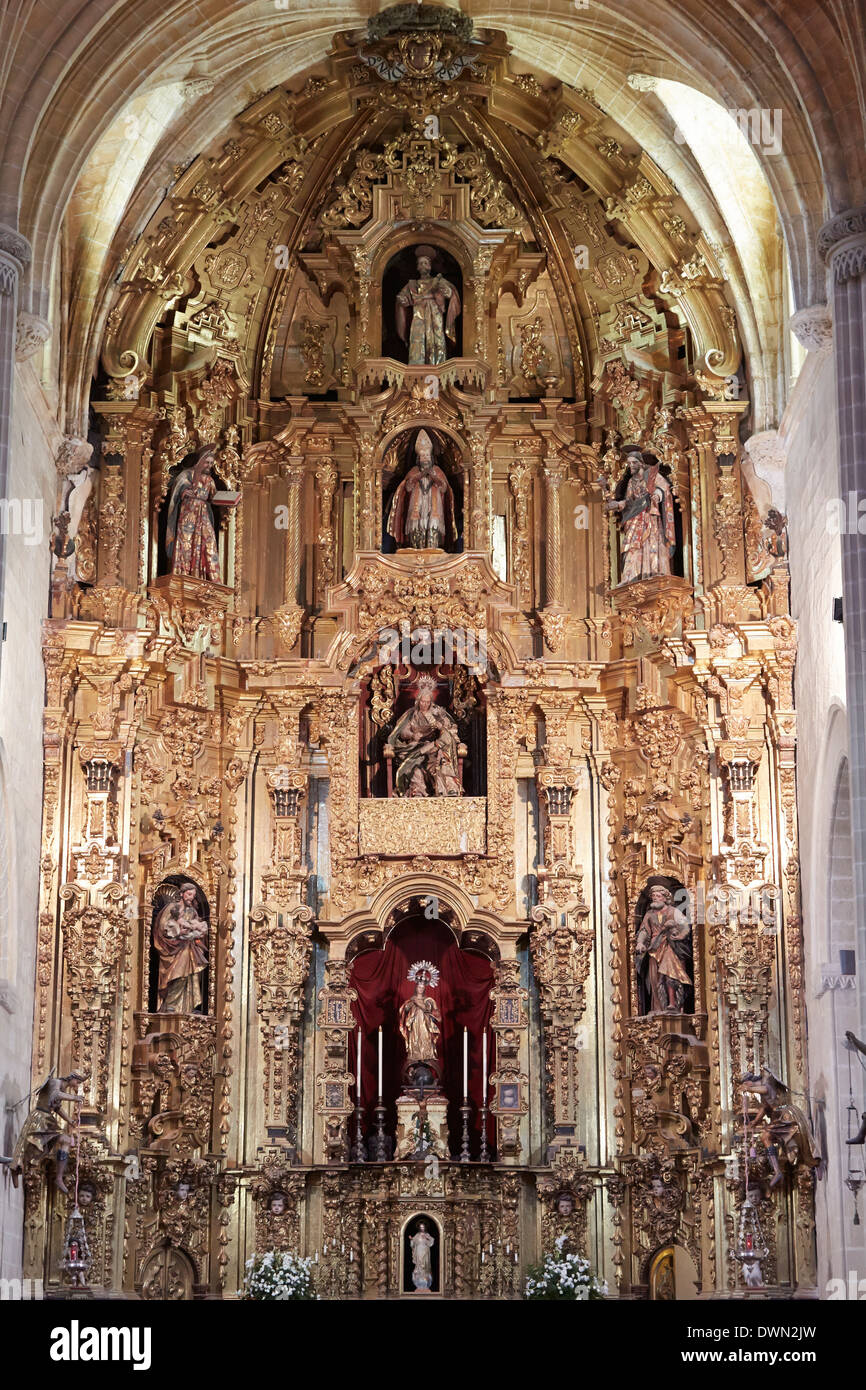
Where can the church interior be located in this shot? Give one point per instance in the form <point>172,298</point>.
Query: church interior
<point>432,716</point>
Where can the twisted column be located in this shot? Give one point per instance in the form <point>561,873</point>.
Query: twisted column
<point>292,571</point>
<point>553,617</point>
<point>552,483</point>
<point>326,477</point>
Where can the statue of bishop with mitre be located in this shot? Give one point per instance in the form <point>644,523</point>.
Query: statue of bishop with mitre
<point>422,511</point>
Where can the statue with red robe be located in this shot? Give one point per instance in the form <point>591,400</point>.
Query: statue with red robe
<point>422,510</point>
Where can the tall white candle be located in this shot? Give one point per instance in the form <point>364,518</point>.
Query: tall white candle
<point>465,1063</point>
<point>484,1067</point>
<point>359,1066</point>
<point>380,1061</point>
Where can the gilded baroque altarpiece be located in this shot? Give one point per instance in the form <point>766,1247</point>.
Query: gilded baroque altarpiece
<point>227,735</point>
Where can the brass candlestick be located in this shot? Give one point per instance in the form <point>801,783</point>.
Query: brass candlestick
<point>464,1147</point>
<point>359,1148</point>
<point>380,1140</point>
<point>485,1152</point>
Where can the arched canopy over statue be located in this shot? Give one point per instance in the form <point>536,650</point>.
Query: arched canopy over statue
<point>426,312</point>
<point>422,509</point>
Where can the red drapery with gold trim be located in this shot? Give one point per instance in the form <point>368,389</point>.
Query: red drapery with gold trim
<point>463,997</point>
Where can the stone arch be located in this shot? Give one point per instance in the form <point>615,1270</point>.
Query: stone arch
<point>807,74</point>
<point>841,906</point>
<point>669,1274</point>
<point>832,926</point>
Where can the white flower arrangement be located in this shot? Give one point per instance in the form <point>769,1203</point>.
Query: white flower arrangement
<point>278,1276</point>
<point>564,1276</point>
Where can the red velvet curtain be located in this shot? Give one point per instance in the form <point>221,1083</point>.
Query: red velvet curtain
<point>463,996</point>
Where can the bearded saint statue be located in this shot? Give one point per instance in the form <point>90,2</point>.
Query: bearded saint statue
<point>647,516</point>
<point>663,955</point>
<point>422,510</point>
<point>431,322</point>
<point>425,743</point>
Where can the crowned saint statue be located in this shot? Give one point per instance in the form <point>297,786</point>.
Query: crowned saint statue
<point>434,305</point>
<point>422,509</point>
<point>419,1016</point>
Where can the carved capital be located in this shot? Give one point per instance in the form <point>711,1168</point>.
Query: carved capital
<point>813,328</point>
<point>14,257</point>
<point>31,334</point>
<point>842,244</point>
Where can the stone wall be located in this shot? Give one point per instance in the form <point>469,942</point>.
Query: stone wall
<point>808,435</point>
<point>31,477</point>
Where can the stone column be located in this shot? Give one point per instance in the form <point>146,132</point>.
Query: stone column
<point>14,258</point>
<point>842,243</point>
